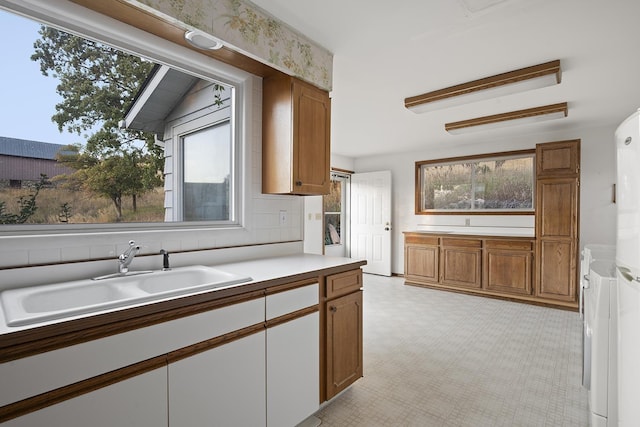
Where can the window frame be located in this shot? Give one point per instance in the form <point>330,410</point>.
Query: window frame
<point>467,159</point>
<point>91,25</point>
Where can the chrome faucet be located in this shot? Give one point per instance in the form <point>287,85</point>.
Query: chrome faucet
<point>124,260</point>
<point>126,257</point>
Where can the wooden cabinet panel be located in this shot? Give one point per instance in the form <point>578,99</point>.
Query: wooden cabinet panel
<point>311,157</point>
<point>512,245</point>
<point>343,283</point>
<point>557,275</point>
<point>508,271</point>
<point>557,208</point>
<point>295,137</point>
<point>422,263</point>
<point>558,159</point>
<point>344,342</point>
<point>462,243</point>
<point>461,266</point>
<point>421,239</point>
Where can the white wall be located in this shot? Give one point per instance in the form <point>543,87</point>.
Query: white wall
<point>597,212</point>
<point>313,225</point>
<point>342,162</point>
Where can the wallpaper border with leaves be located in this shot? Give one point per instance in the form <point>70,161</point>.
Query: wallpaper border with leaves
<point>246,28</point>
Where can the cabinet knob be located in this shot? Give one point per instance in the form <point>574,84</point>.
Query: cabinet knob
<point>298,183</point>
<point>333,308</point>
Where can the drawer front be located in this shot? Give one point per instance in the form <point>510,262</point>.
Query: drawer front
<point>512,245</point>
<point>287,302</point>
<point>343,283</point>
<point>421,239</point>
<point>465,243</point>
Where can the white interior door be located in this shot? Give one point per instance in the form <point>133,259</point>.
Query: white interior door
<point>371,220</point>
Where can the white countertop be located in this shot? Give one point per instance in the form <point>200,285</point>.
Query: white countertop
<point>481,232</point>
<point>261,271</point>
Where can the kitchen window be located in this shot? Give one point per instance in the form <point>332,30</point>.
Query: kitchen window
<point>500,183</point>
<point>173,157</point>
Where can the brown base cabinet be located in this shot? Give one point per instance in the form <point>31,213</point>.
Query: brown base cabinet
<point>487,265</point>
<point>343,331</point>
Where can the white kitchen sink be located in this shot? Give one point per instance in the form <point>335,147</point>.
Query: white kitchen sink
<point>30,305</point>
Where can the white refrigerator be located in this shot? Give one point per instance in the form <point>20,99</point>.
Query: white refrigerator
<point>628,269</point>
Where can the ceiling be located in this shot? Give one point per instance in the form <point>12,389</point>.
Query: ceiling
<point>386,51</point>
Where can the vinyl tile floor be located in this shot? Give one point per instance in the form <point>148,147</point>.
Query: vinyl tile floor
<point>437,358</point>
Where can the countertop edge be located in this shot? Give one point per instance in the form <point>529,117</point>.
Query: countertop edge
<point>472,234</point>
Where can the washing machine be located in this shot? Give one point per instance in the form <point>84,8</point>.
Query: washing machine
<point>600,342</point>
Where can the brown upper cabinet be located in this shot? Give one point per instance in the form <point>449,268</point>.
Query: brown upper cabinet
<point>296,123</point>
<point>558,159</point>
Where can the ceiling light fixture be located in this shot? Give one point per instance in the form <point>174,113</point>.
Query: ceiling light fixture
<point>521,80</point>
<point>531,115</point>
<point>202,40</point>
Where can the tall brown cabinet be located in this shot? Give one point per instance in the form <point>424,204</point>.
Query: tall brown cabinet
<point>557,219</point>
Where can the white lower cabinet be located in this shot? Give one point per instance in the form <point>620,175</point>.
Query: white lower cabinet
<point>224,386</point>
<point>267,378</point>
<point>293,378</point>
<point>139,401</point>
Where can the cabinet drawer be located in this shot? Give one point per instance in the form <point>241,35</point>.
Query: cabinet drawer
<point>421,239</point>
<point>343,283</point>
<point>512,245</point>
<point>287,302</point>
<point>466,243</point>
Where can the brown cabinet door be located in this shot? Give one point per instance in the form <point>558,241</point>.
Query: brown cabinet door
<point>421,263</point>
<point>557,270</point>
<point>296,123</point>
<point>311,149</point>
<point>557,208</point>
<point>344,342</point>
<point>508,272</point>
<point>558,158</point>
<point>461,266</point>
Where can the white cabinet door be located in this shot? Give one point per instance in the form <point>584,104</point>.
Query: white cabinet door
<point>139,401</point>
<point>224,386</point>
<point>293,377</point>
